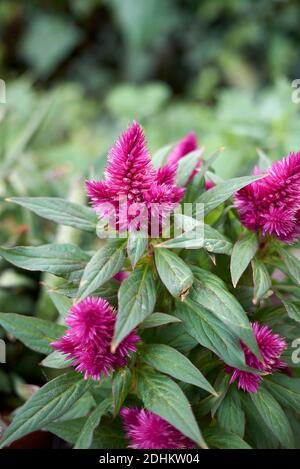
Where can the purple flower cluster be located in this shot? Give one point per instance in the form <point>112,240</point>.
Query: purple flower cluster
<point>88,340</point>
<point>146,430</point>
<point>131,177</point>
<point>272,204</point>
<point>271,347</point>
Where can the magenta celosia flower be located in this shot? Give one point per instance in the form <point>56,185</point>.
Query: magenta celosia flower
<point>185,146</point>
<point>146,430</point>
<point>271,347</point>
<point>120,276</point>
<point>272,204</point>
<point>132,184</point>
<point>88,340</point>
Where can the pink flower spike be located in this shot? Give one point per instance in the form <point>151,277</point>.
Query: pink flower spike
<point>271,347</point>
<point>183,147</point>
<point>272,204</point>
<point>132,184</point>
<point>88,340</point>
<point>146,430</point>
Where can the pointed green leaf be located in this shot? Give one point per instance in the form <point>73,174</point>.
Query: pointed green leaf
<point>231,416</point>
<point>165,398</point>
<point>85,437</point>
<point>47,404</point>
<point>136,245</point>
<point>210,332</point>
<point>211,292</point>
<point>210,239</point>
<point>292,309</point>
<point>35,333</point>
<point>62,303</point>
<point>261,279</point>
<point>107,262</point>
<point>56,360</point>
<point>221,439</point>
<point>158,319</point>
<point>223,191</point>
<point>273,416</point>
<point>173,271</point>
<point>60,211</point>
<point>243,252</point>
<point>291,262</point>
<point>285,389</point>
<point>186,166</point>
<point>137,297</point>
<point>57,259</point>
<point>168,360</point>
<point>120,388</point>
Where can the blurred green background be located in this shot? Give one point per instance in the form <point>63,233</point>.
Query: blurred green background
<point>78,71</point>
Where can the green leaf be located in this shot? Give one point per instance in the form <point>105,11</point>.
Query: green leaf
<point>256,429</point>
<point>158,319</point>
<point>243,252</point>
<point>210,239</point>
<point>35,333</point>
<point>136,245</point>
<point>292,264</point>
<point>261,279</point>
<point>107,262</point>
<point>221,439</point>
<point>67,430</point>
<point>186,166</point>
<point>215,242</point>
<point>165,398</point>
<point>231,416</point>
<point>273,416</point>
<point>137,297</point>
<point>173,271</point>
<point>168,360</point>
<point>62,303</point>
<point>57,259</point>
<point>120,388</point>
<point>223,191</point>
<point>47,404</point>
<point>211,292</point>
<point>285,389</point>
<point>60,211</point>
<point>210,332</point>
<point>85,437</point>
<point>159,157</point>
<point>197,185</point>
<point>56,360</point>
<point>292,309</point>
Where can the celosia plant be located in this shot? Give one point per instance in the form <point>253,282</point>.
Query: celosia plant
<point>174,331</point>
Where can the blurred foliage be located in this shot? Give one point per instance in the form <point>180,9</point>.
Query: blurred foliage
<point>195,46</point>
<point>77,71</point>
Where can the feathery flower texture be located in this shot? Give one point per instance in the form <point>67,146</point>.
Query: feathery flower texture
<point>271,347</point>
<point>146,430</point>
<point>185,146</point>
<point>87,341</point>
<point>272,204</point>
<point>132,186</point>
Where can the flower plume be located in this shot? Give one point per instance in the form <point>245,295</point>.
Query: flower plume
<point>146,430</point>
<point>272,204</point>
<point>88,340</point>
<point>271,347</point>
<point>130,176</point>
